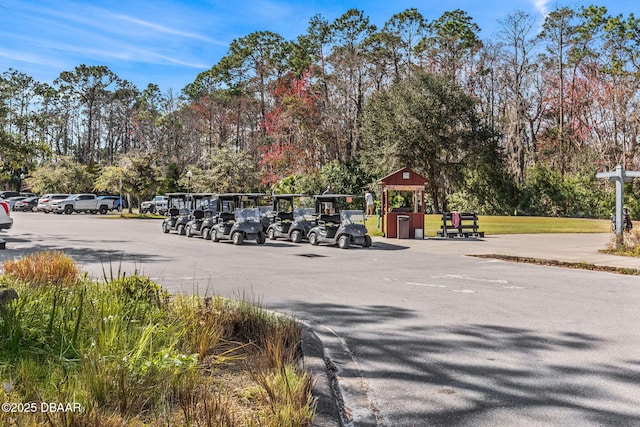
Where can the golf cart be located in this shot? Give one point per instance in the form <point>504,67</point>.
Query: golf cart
<point>337,223</point>
<point>178,213</point>
<point>240,225</point>
<point>288,221</point>
<point>203,222</point>
<point>201,219</point>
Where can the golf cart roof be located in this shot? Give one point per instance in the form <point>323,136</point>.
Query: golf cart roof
<point>336,196</point>
<point>242,194</point>
<point>286,196</point>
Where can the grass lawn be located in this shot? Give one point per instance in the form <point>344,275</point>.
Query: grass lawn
<point>492,225</point>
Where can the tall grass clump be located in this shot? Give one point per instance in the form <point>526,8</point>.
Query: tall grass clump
<point>630,244</point>
<point>43,268</point>
<point>131,354</point>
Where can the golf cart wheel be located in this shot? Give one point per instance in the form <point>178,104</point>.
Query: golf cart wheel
<point>214,235</point>
<point>181,230</point>
<point>188,232</point>
<point>206,233</point>
<point>261,239</point>
<point>165,227</point>
<point>237,238</point>
<point>296,236</point>
<point>367,242</point>
<point>272,234</point>
<point>313,239</point>
<point>344,242</point>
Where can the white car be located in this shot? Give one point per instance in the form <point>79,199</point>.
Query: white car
<point>5,217</point>
<point>44,203</point>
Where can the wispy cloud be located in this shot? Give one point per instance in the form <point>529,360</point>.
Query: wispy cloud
<point>165,30</point>
<point>542,6</point>
<point>17,56</point>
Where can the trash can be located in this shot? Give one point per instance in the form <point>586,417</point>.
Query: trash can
<point>403,226</point>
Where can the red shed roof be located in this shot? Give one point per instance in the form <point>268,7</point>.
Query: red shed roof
<point>405,178</point>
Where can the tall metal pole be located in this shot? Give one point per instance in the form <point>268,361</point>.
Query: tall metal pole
<point>619,206</point>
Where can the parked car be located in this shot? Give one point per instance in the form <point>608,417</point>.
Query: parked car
<point>29,204</point>
<point>8,193</point>
<point>243,224</point>
<point>12,201</point>
<point>5,217</point>
<point>87,203</point>
<point>158,205</point>
<point>44,202</point>
<point>288,221</point>
<point>118,203</point>
<point>337,224</point>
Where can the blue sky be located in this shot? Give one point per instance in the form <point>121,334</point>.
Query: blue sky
<point>168,42</point>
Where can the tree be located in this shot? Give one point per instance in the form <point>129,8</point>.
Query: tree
<point>453,39</point>
<point>429,124</point>
<point>259,55</point>
<point>64,175</point>
<point>404,33</point>
<point>87,86</point>
<point>349,35</point>
<point>517,69</point>
<point>138,174</point>
<point>559,31</point>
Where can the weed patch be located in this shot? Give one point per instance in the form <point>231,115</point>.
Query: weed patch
<point>630,245</point>
<point>129,353</point>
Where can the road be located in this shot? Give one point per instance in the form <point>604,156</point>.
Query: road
<point>419,338</point>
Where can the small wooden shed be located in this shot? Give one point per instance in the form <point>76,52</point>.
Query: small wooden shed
<point>403,222</point>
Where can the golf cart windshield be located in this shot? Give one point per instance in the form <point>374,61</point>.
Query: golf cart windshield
<point>304,214</point>
<point>265,210</point>
<point>352,217</point>
<point>249,214</point>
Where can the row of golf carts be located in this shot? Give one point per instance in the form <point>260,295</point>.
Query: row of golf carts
<point>239,217</point>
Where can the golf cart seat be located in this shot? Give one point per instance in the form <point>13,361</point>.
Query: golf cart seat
<point>174,212</point>
<point>226,216</point>
<point>283,216</point>
<point>330,219</point>
<point>198,214</point>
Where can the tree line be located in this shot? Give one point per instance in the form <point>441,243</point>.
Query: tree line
<point>519,122</point>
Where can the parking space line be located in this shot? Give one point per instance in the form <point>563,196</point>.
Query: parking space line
<point>425,285</point>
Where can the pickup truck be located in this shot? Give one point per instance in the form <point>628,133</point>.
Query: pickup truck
<point>82,203</point>
<point>157,205</point>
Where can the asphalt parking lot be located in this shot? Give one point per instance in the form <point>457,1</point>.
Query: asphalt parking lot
<point>418,333</point>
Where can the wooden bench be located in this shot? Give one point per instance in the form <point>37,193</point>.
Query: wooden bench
<point>459,224</point>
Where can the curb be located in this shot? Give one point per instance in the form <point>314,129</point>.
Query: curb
<point>324,380</point>
<point>341,391</point>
